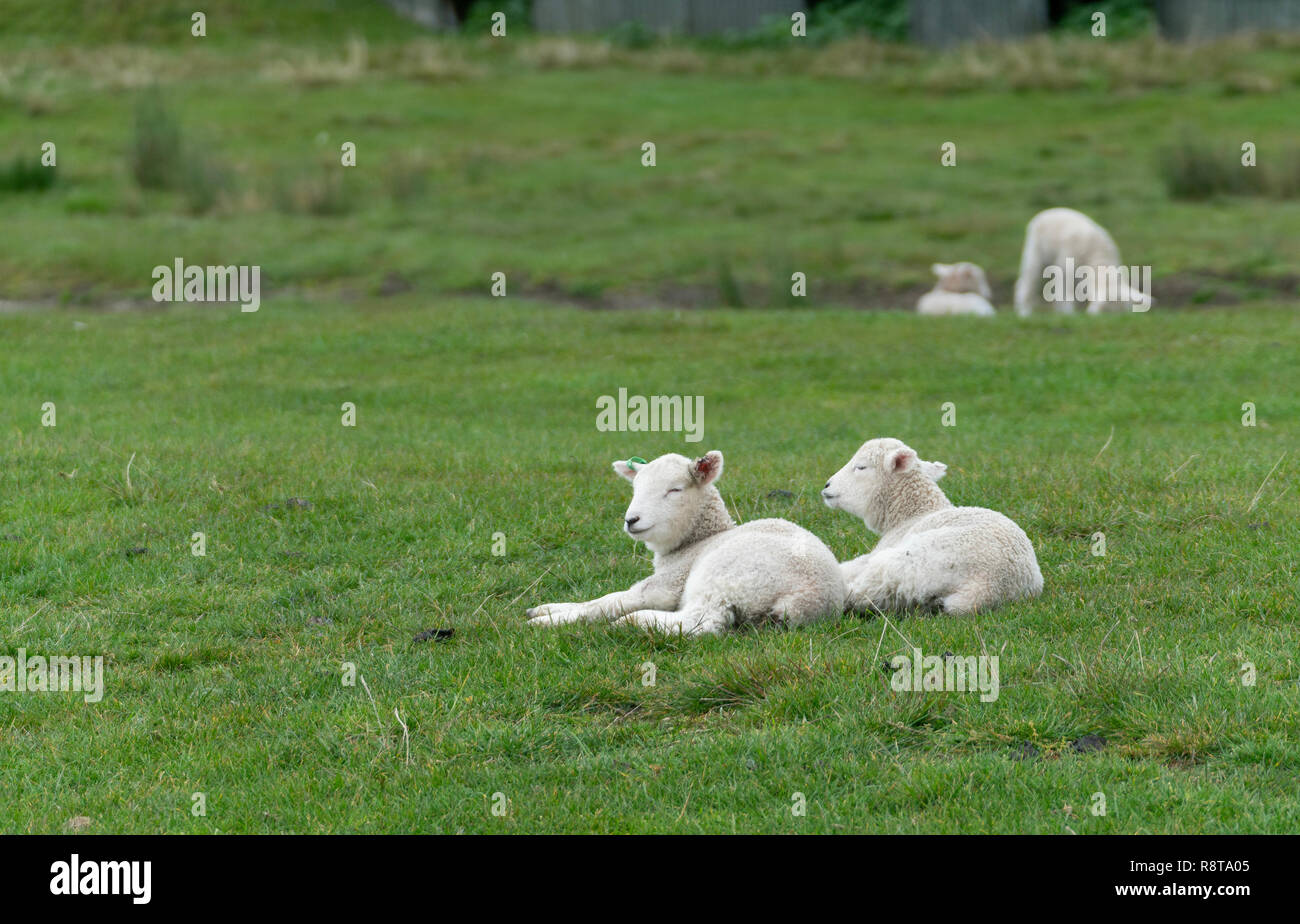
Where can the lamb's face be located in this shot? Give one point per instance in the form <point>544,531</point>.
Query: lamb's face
<point>667,495</point>
<point>860,488</point>
<point>962,277</point>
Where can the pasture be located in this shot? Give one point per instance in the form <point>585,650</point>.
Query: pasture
<point>475,482</point>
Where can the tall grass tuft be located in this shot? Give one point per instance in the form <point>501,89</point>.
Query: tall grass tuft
<point>25,174</point>
<point>1196,169</point>
<point>161,159</point>
<point>321,191</point>
<point>729,291</point>
<point>1284,174</point>
<point>205,181</point>
<point>407,178</point>
<point>155,157</point>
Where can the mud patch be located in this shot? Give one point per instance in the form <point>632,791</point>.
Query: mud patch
<point>1187,290</point>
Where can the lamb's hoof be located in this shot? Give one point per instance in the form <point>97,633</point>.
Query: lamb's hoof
<point>531,612</point>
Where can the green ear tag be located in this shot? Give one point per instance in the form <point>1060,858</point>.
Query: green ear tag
<point>637,459</point>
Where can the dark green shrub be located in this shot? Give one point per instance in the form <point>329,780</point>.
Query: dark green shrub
<point>24,173</point>
<point>1194,168</point>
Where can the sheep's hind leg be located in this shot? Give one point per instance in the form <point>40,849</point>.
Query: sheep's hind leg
<point>972,598</point>
<point>876,587</point>
<point>696,621</point>
<point>849,570</point>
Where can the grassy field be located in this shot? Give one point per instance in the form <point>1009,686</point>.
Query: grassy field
<point>523,157</point>
<point>329,546</point>
<point>224,672</point>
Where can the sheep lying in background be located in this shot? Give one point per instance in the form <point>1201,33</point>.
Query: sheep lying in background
<point>1057,235</point>
<point>930,554</point>
<point>709,572</point>
<point>961,289</point>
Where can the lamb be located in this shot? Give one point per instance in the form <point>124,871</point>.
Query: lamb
<point>930,554</point>
<point>709,574</point>
<point>1057,235</point>
<point>961,289</point>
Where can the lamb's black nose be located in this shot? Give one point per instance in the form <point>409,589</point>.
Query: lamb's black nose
<point>631,521</point>
<point>828,484</point>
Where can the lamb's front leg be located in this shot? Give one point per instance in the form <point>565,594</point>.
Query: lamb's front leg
<point>608,607</point>
<point>1028,285</point>
<point>644,595</point>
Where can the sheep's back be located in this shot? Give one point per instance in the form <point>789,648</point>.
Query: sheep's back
<point>1061,233</point>
<point>975,542</point>
<point>761,566</point>
<point>938,302</point>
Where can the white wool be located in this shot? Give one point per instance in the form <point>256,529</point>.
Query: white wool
<point>961,288</point>
<point>930,554</point>
<point>709,573</point>
<point>1051,237</point>
<point>938,303</point>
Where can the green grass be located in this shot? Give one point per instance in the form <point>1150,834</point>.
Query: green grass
<point>224,672</point>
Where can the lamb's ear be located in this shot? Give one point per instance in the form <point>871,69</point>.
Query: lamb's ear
<point>624,469</point>
<point>932,470</point>
<point>941,269</point>
<point>706,469</point>
<point>900,460</point>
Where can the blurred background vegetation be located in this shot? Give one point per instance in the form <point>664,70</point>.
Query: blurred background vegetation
<point>153,21</point>
<point>478,155</point>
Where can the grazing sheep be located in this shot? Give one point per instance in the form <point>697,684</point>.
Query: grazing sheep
<point>961,289</point>
<point>709,572</point>
<point>930,554</point>
<point>1056,236</point>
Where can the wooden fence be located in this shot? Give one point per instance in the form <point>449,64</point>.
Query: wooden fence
<point>432,14</point>
<point>1197,19</point>
<point>950,22</point>
<point>933,22</point>
<point>693,17</point>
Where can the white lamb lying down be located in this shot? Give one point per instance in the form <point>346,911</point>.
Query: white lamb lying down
<point>930,554</point>
<point>1052,237</point>
<point>709,572</point>
<point>961,289</point>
